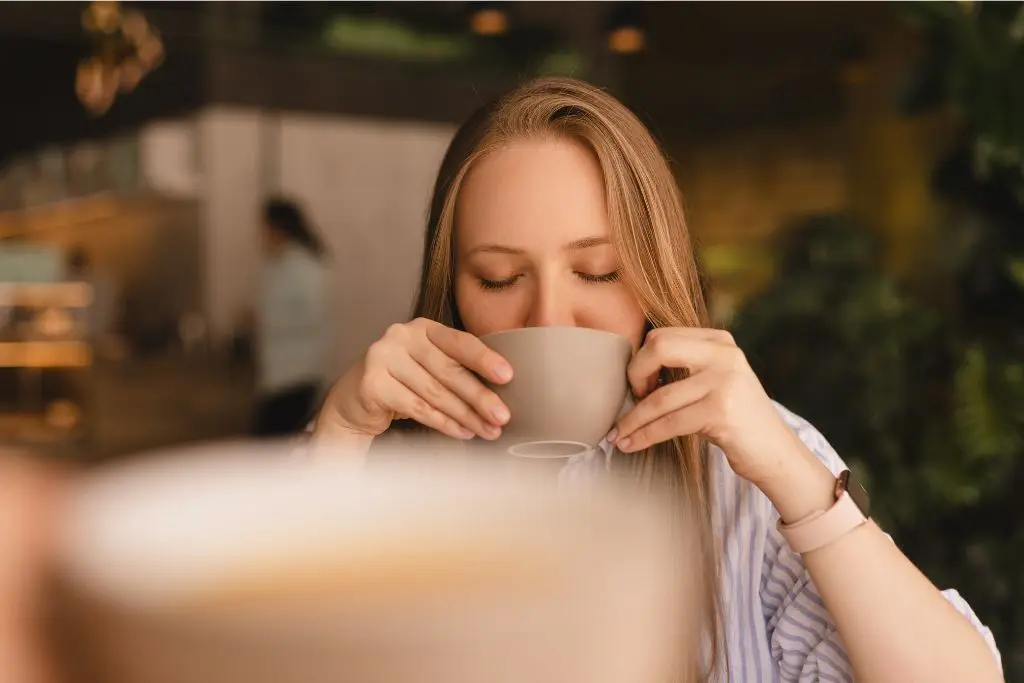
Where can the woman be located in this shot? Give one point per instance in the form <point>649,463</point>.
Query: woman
<point>554,206</point>
<point>293,335</point>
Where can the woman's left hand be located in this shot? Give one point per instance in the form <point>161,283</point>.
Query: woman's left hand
<point>721,399</point>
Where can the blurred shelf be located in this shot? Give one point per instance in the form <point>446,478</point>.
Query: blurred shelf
<point>46,294</point>
<point>69,212</point>
<point>45,354</point>
<point>31,429</point>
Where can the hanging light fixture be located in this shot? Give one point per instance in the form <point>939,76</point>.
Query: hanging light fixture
<point>489,19</point>
<point>124,49</point>
<point>626,35</point>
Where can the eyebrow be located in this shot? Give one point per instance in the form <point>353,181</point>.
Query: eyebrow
<point>585,243</point>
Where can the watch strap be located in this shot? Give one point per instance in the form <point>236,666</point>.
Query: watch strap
<point>823,527</point>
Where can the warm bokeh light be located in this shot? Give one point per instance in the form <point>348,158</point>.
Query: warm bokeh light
<point>101,16</point>
<point>626,40</point>
<point>854,73</point>
<point>96,85</point>
<point>490,21</point>
<point>126,49</point>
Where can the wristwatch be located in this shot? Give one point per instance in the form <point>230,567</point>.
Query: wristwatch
<point>851,509</point>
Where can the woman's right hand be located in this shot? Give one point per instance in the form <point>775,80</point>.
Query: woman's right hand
<point>425,371</point>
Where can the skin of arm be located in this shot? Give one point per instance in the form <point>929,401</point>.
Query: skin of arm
<point>895,624</point>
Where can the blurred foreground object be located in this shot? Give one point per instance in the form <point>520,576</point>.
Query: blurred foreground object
<point>29,495</point>
<point>124,49</point>
<point>228,565</point>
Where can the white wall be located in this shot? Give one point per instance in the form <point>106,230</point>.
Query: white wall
<point>366,185</point>
<point>231,193</point>
<point>169,155</point>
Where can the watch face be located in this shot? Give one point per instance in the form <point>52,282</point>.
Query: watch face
<point>860,497</point>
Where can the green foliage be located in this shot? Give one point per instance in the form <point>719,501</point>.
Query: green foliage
<point>975,61</point>
<point>920,400</point>
<point>925,397</point>
<point>842,343</point>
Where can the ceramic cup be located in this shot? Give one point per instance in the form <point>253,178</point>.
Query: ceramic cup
<point>569,385</point>
<point>551,458</point>
<point>207,567</point>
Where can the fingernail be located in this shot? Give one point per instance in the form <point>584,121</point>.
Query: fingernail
<point>501,414</point>
<point>503,372</point>
<point>623,445</point>
<point>465,433</point>
<point>491,433</point>
<point>612,434</point>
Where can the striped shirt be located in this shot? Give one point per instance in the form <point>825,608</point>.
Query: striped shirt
<point>777,629</point>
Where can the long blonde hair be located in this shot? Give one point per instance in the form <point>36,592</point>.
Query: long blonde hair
<point>656,256</point>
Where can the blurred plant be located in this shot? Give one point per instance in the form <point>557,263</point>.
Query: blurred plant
<point>498,39</point>
<point>926,396</point>
<point>838,341</point>
<point>974,60</point>
<point>984,245</point>
<point>925,402</point>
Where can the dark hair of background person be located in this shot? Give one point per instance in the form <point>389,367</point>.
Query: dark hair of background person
<point>78,260</point>
<point>285,217</point>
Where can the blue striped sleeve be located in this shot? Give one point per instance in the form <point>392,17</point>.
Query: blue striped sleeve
<point>802,637</point>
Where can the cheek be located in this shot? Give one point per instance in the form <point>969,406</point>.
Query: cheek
<point>613,308</point>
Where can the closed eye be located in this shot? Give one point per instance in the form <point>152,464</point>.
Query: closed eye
<point>607,277</point>
<point>493,285</point>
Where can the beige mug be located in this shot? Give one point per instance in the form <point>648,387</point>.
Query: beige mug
<point>568,387</point>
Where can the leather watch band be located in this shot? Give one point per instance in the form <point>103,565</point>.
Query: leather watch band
<point>822,527</point>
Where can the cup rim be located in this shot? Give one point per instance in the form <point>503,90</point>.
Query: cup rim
<point>581,448</point>
<point>585,330</point>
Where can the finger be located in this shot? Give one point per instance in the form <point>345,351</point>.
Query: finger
<point>703,333</point>
<point>421,382</point>
<point>660,403</point>
<point>692,419</point>
<point>404,401</point>
<point>668,350</point>
<point>470,352</point>
<point>463,383</point>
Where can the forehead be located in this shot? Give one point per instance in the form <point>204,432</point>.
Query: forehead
<point>532,193</point>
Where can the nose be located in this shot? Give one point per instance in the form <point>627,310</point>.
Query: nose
<point>551,305</point>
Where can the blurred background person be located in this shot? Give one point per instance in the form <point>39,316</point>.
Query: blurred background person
<point>292,322</point>
<point>100,318</point>
<point>30,494</point>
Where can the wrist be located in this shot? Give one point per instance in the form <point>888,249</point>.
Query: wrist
<point>798,483</point>
<point>330,427</point>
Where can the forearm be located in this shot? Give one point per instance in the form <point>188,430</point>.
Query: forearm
<point>894,623</point>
